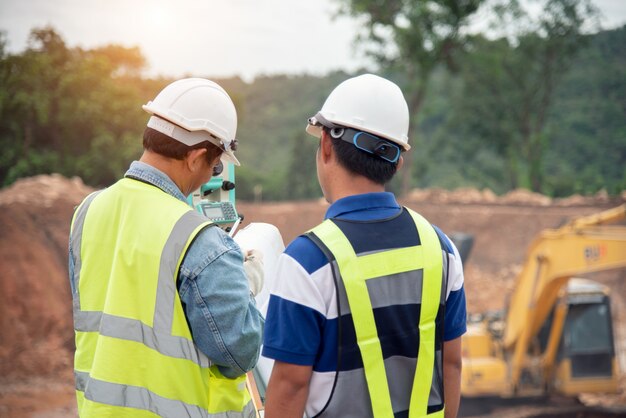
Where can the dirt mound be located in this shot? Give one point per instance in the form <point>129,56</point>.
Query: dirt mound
<point>35,300</point>
<point>514,197</point>
<point>461,195</point>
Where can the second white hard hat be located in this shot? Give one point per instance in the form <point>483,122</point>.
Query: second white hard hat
<point>193,110</point>
<point>367,103</point>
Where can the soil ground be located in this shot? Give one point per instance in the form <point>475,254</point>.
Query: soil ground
<point>36,338</point>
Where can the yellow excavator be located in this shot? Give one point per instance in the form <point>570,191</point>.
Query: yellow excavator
<point>556,336</point>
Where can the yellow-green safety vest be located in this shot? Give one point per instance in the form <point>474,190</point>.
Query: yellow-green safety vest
<point>135,356</point>
<point>355,270</point>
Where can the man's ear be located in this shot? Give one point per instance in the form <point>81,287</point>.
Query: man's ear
<point>400,163</point>
<point>195,158</point>
<point>326,147</point>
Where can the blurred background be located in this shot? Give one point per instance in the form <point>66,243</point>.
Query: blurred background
<point>503,94</point>
<point>518,113</point>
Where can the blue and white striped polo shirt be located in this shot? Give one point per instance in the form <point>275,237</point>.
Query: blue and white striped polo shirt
<point>302,318</point>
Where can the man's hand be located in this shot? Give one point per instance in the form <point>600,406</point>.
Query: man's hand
<point>253,265</point>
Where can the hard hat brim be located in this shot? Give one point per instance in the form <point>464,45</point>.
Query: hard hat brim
<point>190,138</point>
<point>229,157</point>
<point>313,130</point>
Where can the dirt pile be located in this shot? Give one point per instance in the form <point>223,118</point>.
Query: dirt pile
<point>513,197</point>
<point>35,301</point>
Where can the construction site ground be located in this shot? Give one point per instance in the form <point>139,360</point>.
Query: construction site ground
<point>36,337</point>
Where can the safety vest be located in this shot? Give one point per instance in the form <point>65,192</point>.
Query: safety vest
<point>354,272</point>
<point>135,356</point>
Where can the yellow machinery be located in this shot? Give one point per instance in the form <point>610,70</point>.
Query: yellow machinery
<point>557,333</point>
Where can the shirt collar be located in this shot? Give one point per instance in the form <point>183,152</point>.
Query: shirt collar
<point>145,172</point>
<point>345,206</point>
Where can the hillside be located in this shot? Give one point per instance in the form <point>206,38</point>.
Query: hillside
<point>36,337</point>
<point>83,116</point>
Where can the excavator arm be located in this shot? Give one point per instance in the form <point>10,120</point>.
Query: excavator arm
<point>584,245</point>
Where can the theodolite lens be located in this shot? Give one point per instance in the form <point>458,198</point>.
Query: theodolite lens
<point>217,170</point>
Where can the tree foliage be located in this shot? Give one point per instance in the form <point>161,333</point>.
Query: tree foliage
<point>511,82</point>
<point>78,112</point>
<point>413,37</point>
<point>69,110</point>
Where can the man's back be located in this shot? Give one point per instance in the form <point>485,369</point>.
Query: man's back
<point>320,330</point>
<point>386,270</point>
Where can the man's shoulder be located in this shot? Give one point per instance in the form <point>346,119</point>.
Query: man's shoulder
<point>209,243</point>
<point>306,253</point>
<point>446,243</point>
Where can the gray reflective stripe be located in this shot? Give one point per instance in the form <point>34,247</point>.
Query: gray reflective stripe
<point>434,397</point>
<point>77,238</point>
<point>171,254</point>
<point>402,291</point>
<point>396,289</point>
<point>141,398</point>
<point>351,393</point>
<point>87,321</point>
<point>351,397</point>
<point>81,379</point>
<point>167,344</point>
<point>134,330</point>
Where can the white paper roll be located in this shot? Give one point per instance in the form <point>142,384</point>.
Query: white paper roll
<point>265,238</point>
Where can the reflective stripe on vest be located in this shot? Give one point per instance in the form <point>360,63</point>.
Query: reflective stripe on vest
<point>355,271</point>
<point>153,339</point>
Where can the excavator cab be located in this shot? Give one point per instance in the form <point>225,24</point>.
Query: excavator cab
<point>586,360</point>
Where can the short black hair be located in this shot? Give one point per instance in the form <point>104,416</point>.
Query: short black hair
<point>162,144</point>
<point>362,163</point>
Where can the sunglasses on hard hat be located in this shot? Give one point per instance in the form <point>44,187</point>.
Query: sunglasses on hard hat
<point>364,141</point>
<point>369,143</point>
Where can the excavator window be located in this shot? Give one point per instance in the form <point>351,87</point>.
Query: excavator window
<point>588,338</point>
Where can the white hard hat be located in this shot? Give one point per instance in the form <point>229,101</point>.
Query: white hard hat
<point>367,103</point>
<point>193,110</point>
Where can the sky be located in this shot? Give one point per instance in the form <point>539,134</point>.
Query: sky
<point>208,37</point>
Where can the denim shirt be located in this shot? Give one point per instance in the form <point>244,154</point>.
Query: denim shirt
<point>222,314</point>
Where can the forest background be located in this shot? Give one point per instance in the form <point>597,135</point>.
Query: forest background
<point>500,115</point>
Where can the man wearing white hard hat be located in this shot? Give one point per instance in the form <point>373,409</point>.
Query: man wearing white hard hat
<point>366,313</point>
<point>165,319</point>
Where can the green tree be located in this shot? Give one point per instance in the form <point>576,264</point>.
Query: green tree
<point>412,37</point>
<point>588,142</point>
<point>510,83</point>
<point>69,110</point>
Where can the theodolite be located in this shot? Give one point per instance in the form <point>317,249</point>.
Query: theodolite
<point>216,198</point>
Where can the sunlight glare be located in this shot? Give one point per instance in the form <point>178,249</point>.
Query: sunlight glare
<point>157,15</point>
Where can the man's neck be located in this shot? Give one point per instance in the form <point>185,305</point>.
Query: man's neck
<point>348,184</point>
<point>171,167</point>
